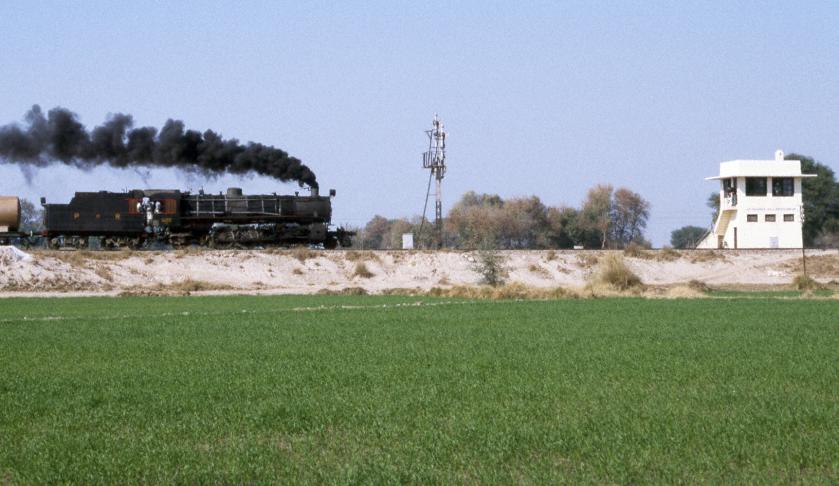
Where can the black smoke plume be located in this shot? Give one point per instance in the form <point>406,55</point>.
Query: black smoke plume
<point>59,136</point>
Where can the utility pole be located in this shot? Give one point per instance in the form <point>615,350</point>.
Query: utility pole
<point>435,159</point>
<point>803,254</point>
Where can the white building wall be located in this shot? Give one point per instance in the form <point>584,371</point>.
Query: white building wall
<point>742,233</point>
<point>762,233</point>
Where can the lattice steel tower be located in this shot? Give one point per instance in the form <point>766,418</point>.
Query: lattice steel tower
<point>435,159</point>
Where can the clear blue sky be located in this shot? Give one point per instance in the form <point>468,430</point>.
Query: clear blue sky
<point>544,98</point>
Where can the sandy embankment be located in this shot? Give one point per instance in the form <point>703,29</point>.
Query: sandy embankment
<point>310,271</point>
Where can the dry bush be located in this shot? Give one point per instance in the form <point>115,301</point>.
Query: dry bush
<point>667,254</point>
<point>587,260</point>
<point>550,256</point>
<point>184,287</point>
<point>360,256</point>
<point>105,255</point>
<point>684,292</point>
<point>362,271</point>
<point>822,265</point>
<point>346,291</point>
<point>512,291</point>
<point>82,258</point>
<point>189,250</point>
<point>699,286</point>
<point>612,272</point>
<point>634,250</point>
<point>56,283</point>
<point>700,256</point>
<point>804,282</point>
<point>443,281</point>
<point>190,285</point>
<point>408,292</point>
<point>104,272</point>
<point>297,271</point>
<point>302,254</point>
<point>76,259</point>
<point>538,270</point>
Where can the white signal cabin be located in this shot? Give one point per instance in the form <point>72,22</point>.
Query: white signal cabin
<point>760,205</point>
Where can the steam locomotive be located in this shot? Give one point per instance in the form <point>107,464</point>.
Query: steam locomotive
<point>139,217</point>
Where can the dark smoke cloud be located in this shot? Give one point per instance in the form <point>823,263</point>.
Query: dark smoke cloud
<point>59,136</point>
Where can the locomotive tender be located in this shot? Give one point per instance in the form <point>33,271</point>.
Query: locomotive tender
<point>137,217</point>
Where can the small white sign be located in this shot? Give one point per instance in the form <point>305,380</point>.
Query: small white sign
<point>408,241</point>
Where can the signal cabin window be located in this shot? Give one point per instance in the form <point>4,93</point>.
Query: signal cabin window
<point>789,218</point>
<point>729,185</point>
<point>783,187</point>
<point>770,218</point>
<point>755,186</point>
<point>751,218</point>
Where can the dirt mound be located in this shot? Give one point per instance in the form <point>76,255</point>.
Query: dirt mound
<point>305,271</point>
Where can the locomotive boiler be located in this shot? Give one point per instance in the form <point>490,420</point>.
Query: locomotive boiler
<point>138,217</point>
<point>9,218</point>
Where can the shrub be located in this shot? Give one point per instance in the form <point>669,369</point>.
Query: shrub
<point>803,282</point>
<point>302,254</point>
<point>360,255</point>
<point>104,272</point>
<point>362,271</point>
<point>346,291</point>
<point>190,285</point>
<point>634,250</point>
<point>613,272</point>
<point>587,260</point>
<point>538,270</point>
<point>490,265</point>
<point>699,286</point>
<point>512,291</point>
<point>668,254</point>
<point>700,256</point>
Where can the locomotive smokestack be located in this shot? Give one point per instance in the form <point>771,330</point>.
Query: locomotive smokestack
<point>315,192</point>
<point>59,137</point>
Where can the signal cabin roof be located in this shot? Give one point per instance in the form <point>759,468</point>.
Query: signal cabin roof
<point>760,168</point>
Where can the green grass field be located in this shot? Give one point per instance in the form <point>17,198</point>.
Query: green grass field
<point>410,390</point>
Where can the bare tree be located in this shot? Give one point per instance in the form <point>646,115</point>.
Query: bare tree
<point>31,217</point>
<point>595,215</point>
<point>629,216</point>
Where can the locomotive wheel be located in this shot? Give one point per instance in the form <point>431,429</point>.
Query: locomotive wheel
<point>330,243</point>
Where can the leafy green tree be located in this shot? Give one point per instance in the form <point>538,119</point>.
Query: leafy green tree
<point>476,219</point>
<point>687,237</point>
<point>376,233</point>
<point>821,197</point>
<point>562,227</point>
<point>713,202</point>
<point>490,265</point>
<point>398,227</point>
